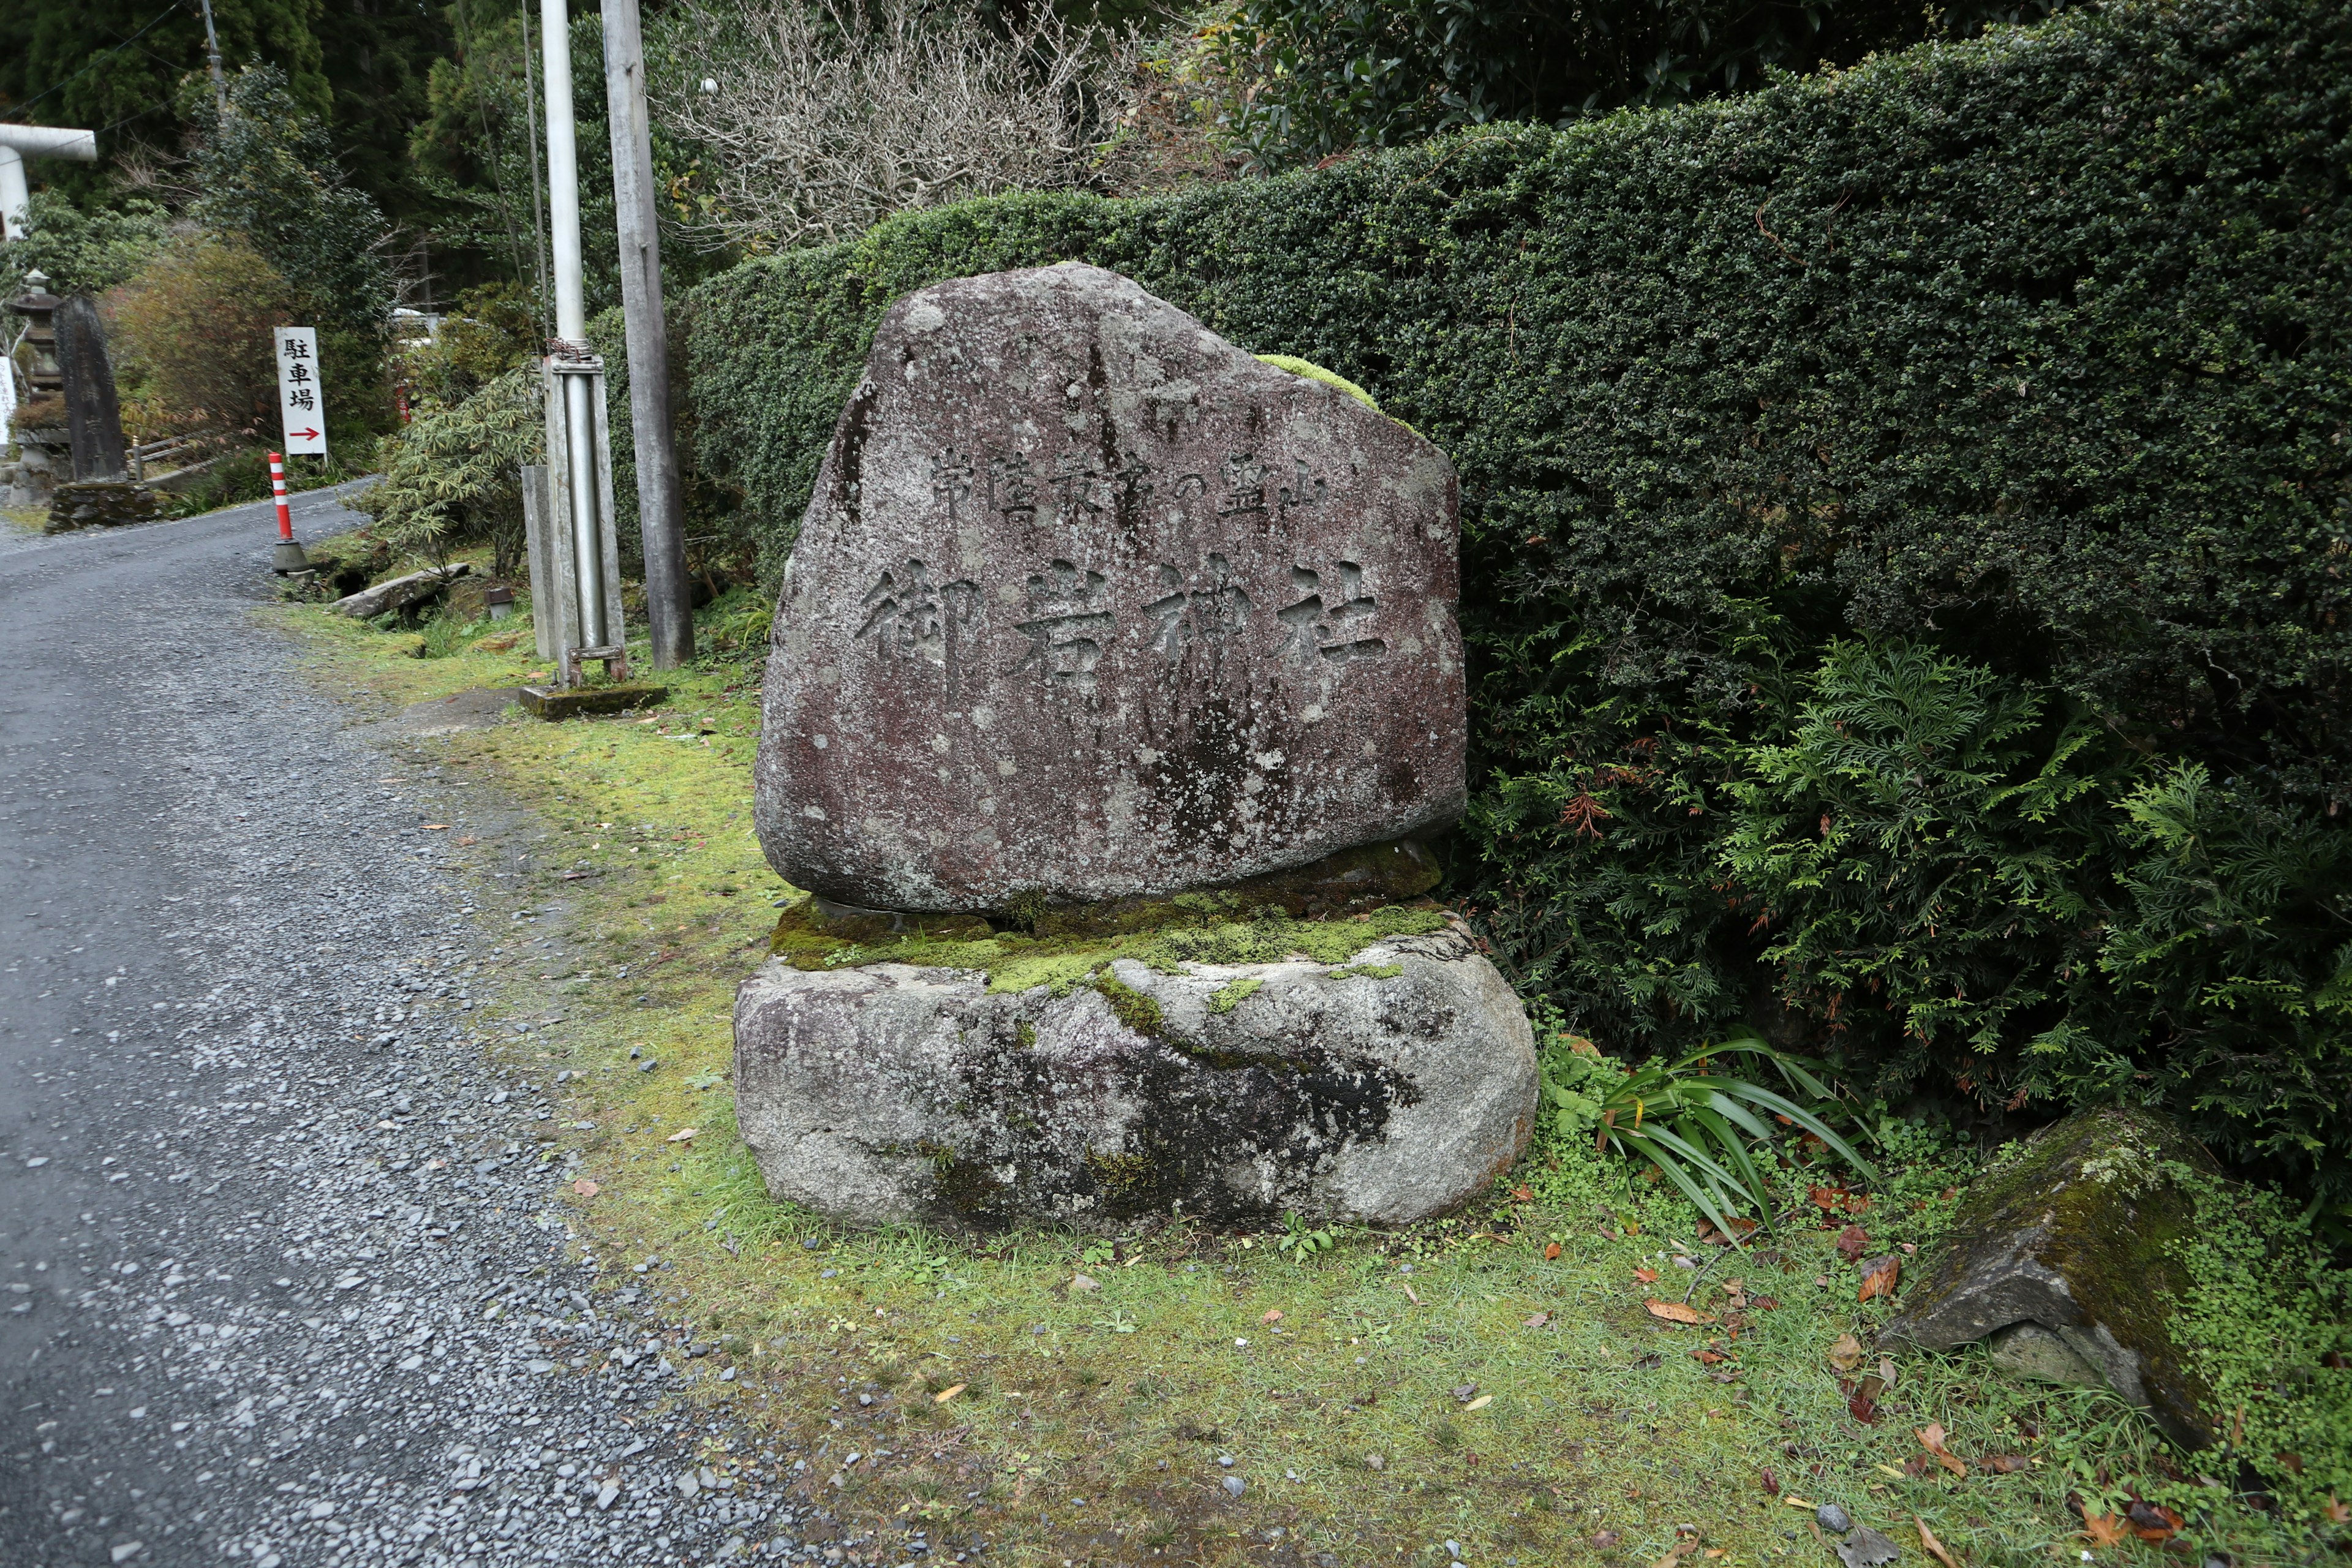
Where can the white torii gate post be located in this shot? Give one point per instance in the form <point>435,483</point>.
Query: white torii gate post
<point>18,142</point>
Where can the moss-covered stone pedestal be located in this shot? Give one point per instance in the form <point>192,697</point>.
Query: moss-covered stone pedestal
<point>101,503</point>
<point>1373,1070</point>
<point>2065,1253</point>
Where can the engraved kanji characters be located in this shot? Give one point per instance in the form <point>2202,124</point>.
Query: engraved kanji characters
<point>908,614</point>
<point>1304,489</point>
<point>1212,610</point>
<point>1328,618</point>
<point>1070,622</point>
<point>951,480</point>
<point>1078,485</point>
<point>1245,479</point>
<point>1012,489</point>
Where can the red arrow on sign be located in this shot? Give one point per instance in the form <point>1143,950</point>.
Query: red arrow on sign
<point>302,435</point>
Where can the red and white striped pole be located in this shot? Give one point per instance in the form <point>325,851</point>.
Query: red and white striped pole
<point>278,488</point>
<point>288,557</point>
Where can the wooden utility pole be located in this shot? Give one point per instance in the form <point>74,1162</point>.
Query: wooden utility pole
<point>669,606</point>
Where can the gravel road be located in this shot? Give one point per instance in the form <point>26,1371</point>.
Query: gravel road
<point>284,1278</point>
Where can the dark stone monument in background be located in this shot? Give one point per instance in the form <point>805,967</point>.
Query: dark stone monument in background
<point>93,413</point>
<point>102,494</point>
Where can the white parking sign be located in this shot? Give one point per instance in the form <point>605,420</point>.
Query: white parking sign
<point>300,396</point>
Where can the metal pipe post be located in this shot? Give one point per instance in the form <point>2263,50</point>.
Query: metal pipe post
<point>563,171</point>
<point>587,541</point>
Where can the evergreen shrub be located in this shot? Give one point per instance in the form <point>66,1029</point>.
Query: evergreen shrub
<point>1907,521</point>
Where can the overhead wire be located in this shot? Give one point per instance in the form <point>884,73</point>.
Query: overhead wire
<point>161,17</point>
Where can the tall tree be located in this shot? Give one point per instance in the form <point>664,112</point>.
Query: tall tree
<point>116,66</point>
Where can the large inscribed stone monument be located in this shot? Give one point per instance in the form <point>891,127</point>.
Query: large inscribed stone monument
<point>1090,603</point>
<point>1113,671</point>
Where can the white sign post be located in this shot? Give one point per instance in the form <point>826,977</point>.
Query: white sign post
<point>302,397</point>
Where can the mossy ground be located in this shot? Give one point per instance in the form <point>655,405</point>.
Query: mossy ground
<point>1089,1422</point>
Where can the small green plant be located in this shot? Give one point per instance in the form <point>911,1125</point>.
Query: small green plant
<point>1233,995</point>
<point>1301,1241</point>
<point>1702,1129</point>
<point>1098,1253</point>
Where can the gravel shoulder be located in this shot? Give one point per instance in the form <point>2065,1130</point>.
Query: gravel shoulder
<point>284,1277</point>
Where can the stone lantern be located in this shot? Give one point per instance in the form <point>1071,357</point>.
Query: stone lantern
<point>45,444</point>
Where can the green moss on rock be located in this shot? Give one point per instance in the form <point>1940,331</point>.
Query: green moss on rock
<point>2080,1230</point>
<point>1189,929</point>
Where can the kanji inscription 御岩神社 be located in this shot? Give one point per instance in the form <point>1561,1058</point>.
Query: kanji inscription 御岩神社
<point>1091,602</point>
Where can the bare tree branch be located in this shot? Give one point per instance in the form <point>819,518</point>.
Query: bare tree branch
<point>831,115</point>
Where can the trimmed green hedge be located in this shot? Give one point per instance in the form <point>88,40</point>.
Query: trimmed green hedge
<point>2020,363</point>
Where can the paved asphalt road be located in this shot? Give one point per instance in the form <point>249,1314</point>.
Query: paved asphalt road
<point>280,1278</point>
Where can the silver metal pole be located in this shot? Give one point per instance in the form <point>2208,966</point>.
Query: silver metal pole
<point>541,304</point>
<point>563,171</point>
<point>587,534</point>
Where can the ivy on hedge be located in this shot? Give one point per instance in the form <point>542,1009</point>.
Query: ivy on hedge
<point>2022,360</point>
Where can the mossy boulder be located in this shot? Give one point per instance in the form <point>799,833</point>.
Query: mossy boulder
<point>2075,1233</point>
<point>102,503</point>
<point>1380,1090</point>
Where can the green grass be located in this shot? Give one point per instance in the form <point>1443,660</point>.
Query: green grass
<point>1604,1435</point>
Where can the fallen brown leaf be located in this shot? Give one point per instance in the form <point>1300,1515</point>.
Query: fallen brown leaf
<point>2152,1521</point>
<point>1605,1539</point>
<point>1846,1353</point>
<point>1853,1242</point>
<point>1539,1320</point>
<point>1551,1252</point>
<point>1864,1405</point>
<point>1675,1311</point>
<point>2104,1530</point>
<point>950,1392</point>
<point>2006,1464</point>
<point>1274,1315</point>
<point>468,839</point>
<point>2336,1510</point>
<point>1410,1297</point>
<point>436,828</point>
<point>683,1135</point>
<point>1080,1282</point>
<point>1931,1437</point>
<point>586,1188</point>
<point>1771,1482</point>
<point>1879,1275</point>
<point>1932,1547</point>
<point>1646,1276</point>
<point>1708,1358</point>
<point>1480,1402</point>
